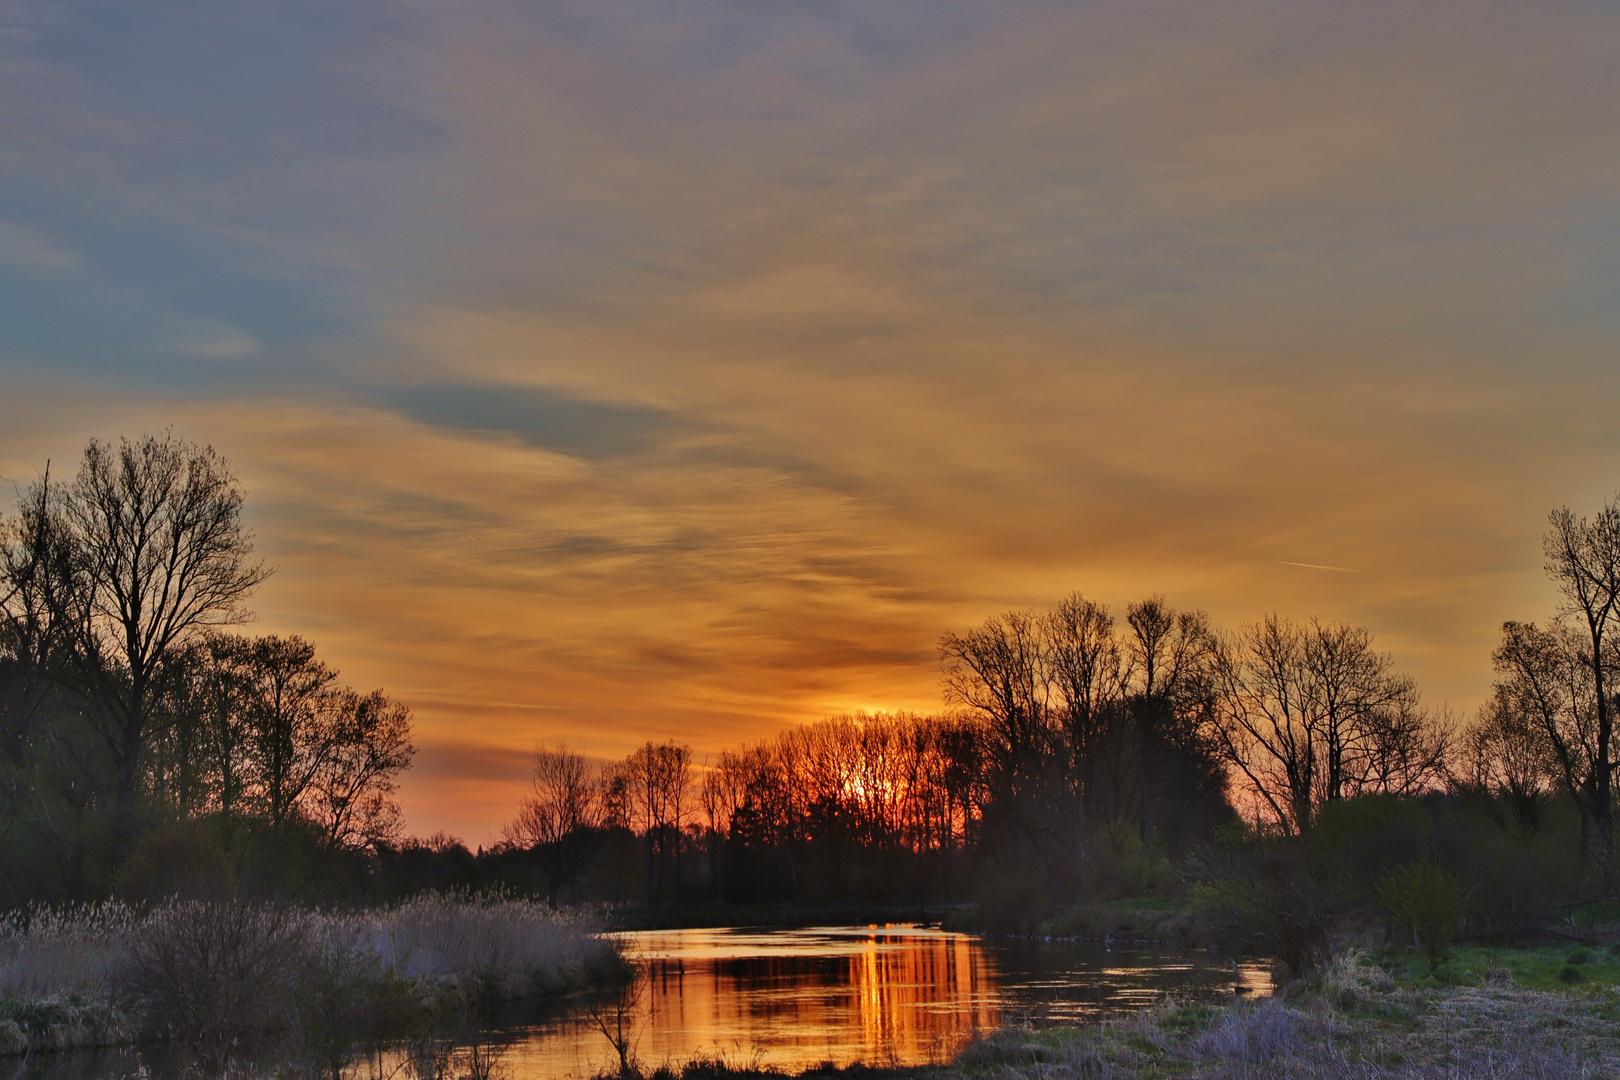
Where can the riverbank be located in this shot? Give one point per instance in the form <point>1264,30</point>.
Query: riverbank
<point>1145,920</point>
<point>213,977</point>
<point>1357,1021</point>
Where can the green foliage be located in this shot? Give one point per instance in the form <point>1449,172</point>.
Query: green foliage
<point>1123,867</point>
<point>1571,975</point>
<point>185,857</point>
<point>1425,899</point>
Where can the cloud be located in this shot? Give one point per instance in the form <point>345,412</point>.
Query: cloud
<point>540,416</point>
<point>620,372</point>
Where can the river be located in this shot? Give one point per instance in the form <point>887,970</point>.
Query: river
<point>793,998</point>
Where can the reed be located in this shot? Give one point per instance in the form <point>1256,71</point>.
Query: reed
<point>218,975</point>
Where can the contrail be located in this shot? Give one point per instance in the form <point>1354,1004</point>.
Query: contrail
<point>1317,566</point>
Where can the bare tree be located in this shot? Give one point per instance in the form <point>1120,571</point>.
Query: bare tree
<point>1167,679</point>
<point>1545,685</point>
<point>1310,714</point>
<point>42,612</point>
<point>156,526</point>
<point>559,824</point>
<point>365,746</point>
<point>719,794</point>
<point>999,671</point>
<point>1088,672</point>
<point>1583,560</point>
<point>292,706</point>
<point>1507,755</point>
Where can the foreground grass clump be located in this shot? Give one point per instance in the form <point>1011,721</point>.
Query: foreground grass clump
<point>218,976</point>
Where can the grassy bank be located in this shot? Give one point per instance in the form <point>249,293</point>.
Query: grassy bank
<point>1158,920</point>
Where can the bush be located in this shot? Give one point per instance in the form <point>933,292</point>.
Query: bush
<point>209,973</point>
<point>184,858</point>
<point>1424,898</point>
<point>216,975</point>
<point>1266,899</point>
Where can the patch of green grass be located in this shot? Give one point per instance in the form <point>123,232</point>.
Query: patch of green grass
<point>1536,967</point>
<point>1186,1019</point>
<point>1167,905</point>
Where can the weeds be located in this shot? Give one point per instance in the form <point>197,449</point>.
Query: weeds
<point>216,977</point>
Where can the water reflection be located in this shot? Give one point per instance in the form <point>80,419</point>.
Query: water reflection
<point>892,994</point>
<point>804,996</point>
<point>795,998</point>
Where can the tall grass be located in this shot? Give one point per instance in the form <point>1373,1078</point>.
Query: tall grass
<point>217,975</point>
<point>501,947</point>
<point>50,952</point>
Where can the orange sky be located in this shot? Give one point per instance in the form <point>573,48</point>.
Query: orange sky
<point>602,372</point>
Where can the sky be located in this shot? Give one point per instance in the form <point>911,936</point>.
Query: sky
<point>607,371</point>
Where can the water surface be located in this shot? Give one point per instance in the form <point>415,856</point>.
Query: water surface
<point>879,994</point>
<point>793,998</point>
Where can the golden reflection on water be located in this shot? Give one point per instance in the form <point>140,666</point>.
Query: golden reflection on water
<point>890,994</point>
<point>796,998</point>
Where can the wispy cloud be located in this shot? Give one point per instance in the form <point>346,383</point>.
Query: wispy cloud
<point>608,372</point>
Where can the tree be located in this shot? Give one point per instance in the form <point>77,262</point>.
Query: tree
<point>1169,658</point>
<point>41,614</point>
<point>559,824</point>
<point>292,706</point>
<point>365,746</point>
<point>161,556</point>
<point>1544,686</point>
<point>1505,754</point>
<point>1583,560</point>
<point>658,778</point>
<point>1310,714</point>
<point>999,671</point>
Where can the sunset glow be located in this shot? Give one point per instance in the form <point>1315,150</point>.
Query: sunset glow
<point>604,372</point>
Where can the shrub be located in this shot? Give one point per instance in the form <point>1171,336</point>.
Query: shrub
<point>215,975</point>
<point>1571,975</point>
<point>208,973</point>
<point>184,858</point>
<point>1426,899</point>
<point>1269,901</point>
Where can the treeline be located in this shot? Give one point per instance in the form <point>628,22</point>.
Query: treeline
<point>1286,775</point>
<point>144,748</point>
<point>1085,758</point>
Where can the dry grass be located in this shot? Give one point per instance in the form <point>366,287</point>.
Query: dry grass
<point>214,975</point>
<point>50,952</point>
<point>503,946</point>
<point>1357,1024</point>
